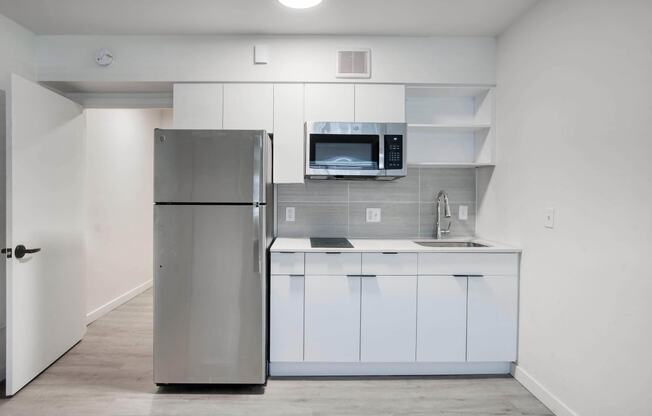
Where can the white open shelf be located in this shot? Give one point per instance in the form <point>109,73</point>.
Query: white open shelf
<point>450,165</point>
<point>450,126</point>
<point>439,91</point>
<point>459,127</point>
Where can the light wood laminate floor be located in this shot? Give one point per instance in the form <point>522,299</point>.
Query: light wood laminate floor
<point>110,373</point>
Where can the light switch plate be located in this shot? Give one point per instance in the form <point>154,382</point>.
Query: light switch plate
<point>464,212</point>
<point>373,215</point>
<point>289,214</point>
<point>549,218</point>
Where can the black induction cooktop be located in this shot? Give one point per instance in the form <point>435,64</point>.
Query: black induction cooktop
<point>330,243</point>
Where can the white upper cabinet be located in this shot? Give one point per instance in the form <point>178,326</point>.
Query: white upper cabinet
<point>492,318</point>
<point>249,107</point>
<point>198,106</point>
<point>288,133</point>
<point>330,102</point>
<point>380,103</point>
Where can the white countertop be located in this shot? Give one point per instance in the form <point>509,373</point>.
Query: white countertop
<point>393,245</point>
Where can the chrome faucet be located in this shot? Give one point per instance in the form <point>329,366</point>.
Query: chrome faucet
<point>447,213</point>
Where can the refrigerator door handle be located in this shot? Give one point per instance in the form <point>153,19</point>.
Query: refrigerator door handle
<point>258,178</point>
<point>257,238</point>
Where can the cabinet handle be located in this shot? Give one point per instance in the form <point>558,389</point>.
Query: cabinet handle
<point>332,252</point>
<point>460,275</point>
<point>297,275</point>
<point>361,275</point>
<point>476,275</point>
<point>390,252</point>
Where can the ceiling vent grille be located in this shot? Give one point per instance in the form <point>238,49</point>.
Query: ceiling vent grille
<point>353,63</point>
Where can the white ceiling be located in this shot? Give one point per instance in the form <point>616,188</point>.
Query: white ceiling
<point>340,17</point>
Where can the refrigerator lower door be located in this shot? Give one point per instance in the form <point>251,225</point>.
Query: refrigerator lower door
<point>210,288</point>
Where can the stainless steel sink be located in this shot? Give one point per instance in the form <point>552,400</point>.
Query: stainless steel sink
<point>453,244</point>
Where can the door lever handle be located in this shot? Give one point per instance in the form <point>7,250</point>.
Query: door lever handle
<point>21,250</point>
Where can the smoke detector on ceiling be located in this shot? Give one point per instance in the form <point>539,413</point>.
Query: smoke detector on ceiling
<point>104,57</point>
<point>353,63</point>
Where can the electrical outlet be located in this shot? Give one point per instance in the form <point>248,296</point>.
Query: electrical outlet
<point>549,218</point>
<point>463,214</point>
<point>289,214</point>
<point>373,214</point>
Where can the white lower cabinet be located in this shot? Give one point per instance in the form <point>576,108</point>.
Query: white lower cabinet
<point>492,318</point>
<point>332,318</point>
<point>388,316</point>
<point>286,318</point>
<point>441,319</point>
<point>388,313</point>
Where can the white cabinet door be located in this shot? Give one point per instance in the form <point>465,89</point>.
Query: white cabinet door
<point>441,319</point>
<point>333,264</point>
<point>389,313</point>
<point>249,107</point>
<point>287,263</point>
<point>492,318</point>
<point>288,133</point>
<point>468,263</point>
<point>329,102</point>
<point>332,319</point>
<point>380,103</point>
<point>286,318</point>
<point>389,263</point>
<point>197,106</point>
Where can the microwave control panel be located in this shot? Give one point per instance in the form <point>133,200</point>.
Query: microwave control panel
<point>393,152</point>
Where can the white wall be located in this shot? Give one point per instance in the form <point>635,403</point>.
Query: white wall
<point>120,197</point>
<point>574,118</point>
<point>293,58</point>
<point>17,51</point>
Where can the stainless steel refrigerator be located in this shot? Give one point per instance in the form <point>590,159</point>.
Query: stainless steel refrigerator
<point>212,227</point>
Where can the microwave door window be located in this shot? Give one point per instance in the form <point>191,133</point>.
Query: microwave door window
<point>344,153</point>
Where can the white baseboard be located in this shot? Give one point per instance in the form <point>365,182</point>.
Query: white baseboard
<point>551,401</point>
<point>124,298</point>
<point>312,369</point>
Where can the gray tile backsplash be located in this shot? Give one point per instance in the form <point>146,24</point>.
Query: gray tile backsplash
<point>316,219</point>
<point>338,208</point>
<point>398,220</point>
<point>400,190</point>
<point>314,191</point>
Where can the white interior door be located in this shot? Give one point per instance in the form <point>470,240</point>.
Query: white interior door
<point>45,189</point>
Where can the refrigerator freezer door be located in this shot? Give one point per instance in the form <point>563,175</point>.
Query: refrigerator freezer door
<point>210,301</point>
<point>209,166</point>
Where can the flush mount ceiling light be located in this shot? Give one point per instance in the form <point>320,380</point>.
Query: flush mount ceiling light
<point>300,4</point>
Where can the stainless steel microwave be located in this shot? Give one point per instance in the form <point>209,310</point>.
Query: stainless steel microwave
<point>356,150</point>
